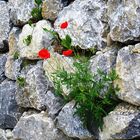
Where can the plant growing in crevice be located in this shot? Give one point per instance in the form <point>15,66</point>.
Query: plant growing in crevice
<point>66,42</point>
<point>21,81</point>
<point>37,11</point>
<point>94,94</point>
<point>27,62</point>
<point>16,55</point>
<point>27,40</point>
<point>86,88</point>
<point>63,44</point>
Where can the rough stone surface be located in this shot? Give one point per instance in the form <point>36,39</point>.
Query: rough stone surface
<point>13,64</point>
<point>124,19</point>
<point>57,62</point>
<point>12,68</point>
<point>13,40</point>
<point>70,124</point>
<point>9,134</point>
<point>20,11</point>
<point>4,25</point>
<point>37,127</point>
<point>3,59</point>
<point>122,123</point>
<point>36,94</point>
<point>85,25</point>
<point>53,104</point>
<point>2,135</point>
<point>128,70</point>
<point>40,39</point>
<point>51,8</point>
<point>104,61</point>
<point>9,110</point>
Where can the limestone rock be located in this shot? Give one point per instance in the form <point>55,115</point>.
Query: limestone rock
<point>37,127</point>
<point>124,19</point>
<point>13,63</point>
<point>85,25</point>
<point>128,70</point>
<point>12,68</point>
<point>51,8</point>
<point>36,86</point>
<point>53,104</point>
<point>40,39</point>
<point>70,124</point>
<point>105,61</point>
<point>9,134</point>
<point>13,40</point>
<point>3,59</point>
<point>36,94</point>
<point>2,135</point>
<point>9,110</point>
<point>4,26</point>
<point>122,123</point>
<point>20,11</point>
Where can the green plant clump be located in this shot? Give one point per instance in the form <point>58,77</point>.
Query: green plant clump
<point>21,81</point>
<point>37,11</point>
<point>27,40</point>
<point>86,88</point>
<point>16,55</point>
<point>65,42</point>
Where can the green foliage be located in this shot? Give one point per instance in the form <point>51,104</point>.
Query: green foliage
<point>38,2</point>
<point>66,42</point>
<point>27,62</point>
<point>16,55</point>
<point>37,11</point>
<point>21,81</point>
<point>27,40</point>
<point>94,94</point>
<point>53,33</point>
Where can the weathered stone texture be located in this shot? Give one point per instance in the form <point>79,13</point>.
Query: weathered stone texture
<point>128,70</point>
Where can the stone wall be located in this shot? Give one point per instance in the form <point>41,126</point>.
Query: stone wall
<point>33,111</point>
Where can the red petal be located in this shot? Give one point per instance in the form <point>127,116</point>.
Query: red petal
<point>44,54</point>
<point>67,53</point>
<point>64,25</point>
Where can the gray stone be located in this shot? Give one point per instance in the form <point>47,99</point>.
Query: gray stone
<point>37,127</point>
<point>12,68</point>
<point>122,123</point>
<point>124,19</point>
<point>71,124</point>
<point>13,64</point>
<point>36,94</point>
<point>4,26</point>
<point>40,39</point>
<point>3,59</point>
<point>51,8</point>
<point>9,110</point>
<point>85,25</point>
<point>9,134</point>
<point>20,11</point>
<point>36,85</point>
<point>53,104</point>
<point>2,135</point>
<point>104,61</point>
<point>13,40</point>
<point>128,70</point>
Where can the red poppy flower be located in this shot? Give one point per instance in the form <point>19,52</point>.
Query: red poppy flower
<point>67,53</point>
<point>64,25</point>
<point>44,54</point>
